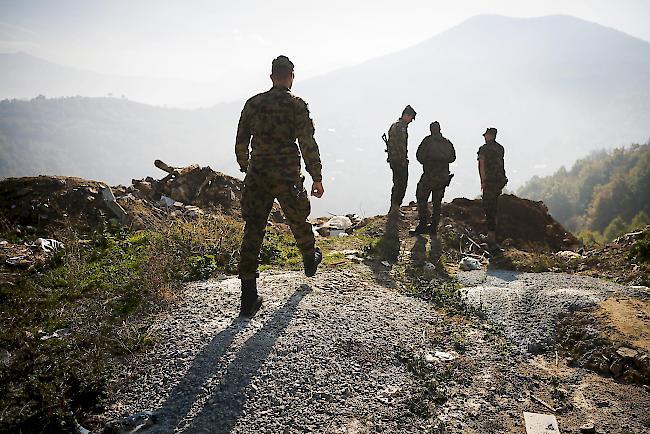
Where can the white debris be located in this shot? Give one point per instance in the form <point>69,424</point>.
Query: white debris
<point>339,222</point>
<point>468,263</point>
<point>568,254</point>
<point>439,356</point>
<point>57,334</point>
<point>48,245</point>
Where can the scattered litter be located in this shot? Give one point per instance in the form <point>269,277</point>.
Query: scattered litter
<point>57,334</point>
<point>135,423</point>
<point>544,403</point>
<point>4,242</point>
<point>80,429</point>
<point>109,198</point>
<point>18,261</point>
<point>339,222</point>
<point>468,263</point>
<point>537,423</point>
<point>354,258</point>
<point>339,226</point>
<point>385,263</point>
<point>48,245</point>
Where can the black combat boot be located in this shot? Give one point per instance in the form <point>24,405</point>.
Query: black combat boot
<point>250,301</point>
<point>433,229</point>
<point>311,263</point>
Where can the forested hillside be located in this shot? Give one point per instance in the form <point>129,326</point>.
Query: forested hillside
<point>602,195</point>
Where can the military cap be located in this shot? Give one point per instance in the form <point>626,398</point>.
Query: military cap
<point>492,131</point>
<point>281,62</point>
<point>434,126</point>
<point>408,110</point>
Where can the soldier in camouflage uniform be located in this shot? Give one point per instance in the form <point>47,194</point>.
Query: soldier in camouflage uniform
<point>493,179</point>
<point>397,148</point>
<point>275,119</point>
<point>435,153</point>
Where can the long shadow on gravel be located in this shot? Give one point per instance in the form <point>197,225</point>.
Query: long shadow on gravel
<point>230,396</point>
<point>204,367</point>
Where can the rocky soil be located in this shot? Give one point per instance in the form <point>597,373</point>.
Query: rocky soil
<point>344,352</point>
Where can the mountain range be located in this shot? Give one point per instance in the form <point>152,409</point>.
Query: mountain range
<point>555,87</point>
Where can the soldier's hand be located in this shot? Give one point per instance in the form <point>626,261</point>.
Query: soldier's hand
<point>317,189</point>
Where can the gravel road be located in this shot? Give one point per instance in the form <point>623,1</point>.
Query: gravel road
<point>320,356</point>
<point>528,305</point>
<point>324,355</point>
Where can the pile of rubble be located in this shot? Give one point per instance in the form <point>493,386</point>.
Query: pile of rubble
<point>46,205</point>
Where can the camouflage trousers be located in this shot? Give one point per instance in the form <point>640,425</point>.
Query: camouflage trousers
<point>434,186</point>
<point>258,196</point>
<point>400,181</point>
<point>490,206</point>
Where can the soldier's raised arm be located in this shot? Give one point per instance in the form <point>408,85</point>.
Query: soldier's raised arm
<point>306,141</point>
<point>243,138</point>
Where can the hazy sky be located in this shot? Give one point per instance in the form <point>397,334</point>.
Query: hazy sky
<point>204,40</point>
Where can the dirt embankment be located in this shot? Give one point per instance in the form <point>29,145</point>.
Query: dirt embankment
<point>523,224</point>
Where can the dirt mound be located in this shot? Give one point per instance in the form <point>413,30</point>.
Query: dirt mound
<point>46,205</point>
<point>37,205</point>
<point>522,223</point>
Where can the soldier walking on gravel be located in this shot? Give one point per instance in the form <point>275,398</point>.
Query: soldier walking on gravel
<point>434,153</point>
<point>493,179</point>
<point>275,119</point>
<point>397,148</point>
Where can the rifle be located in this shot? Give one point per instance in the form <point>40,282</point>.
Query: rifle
<point>385,139</point>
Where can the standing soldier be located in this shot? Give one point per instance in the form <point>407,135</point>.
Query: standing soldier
<point>397,149</point>
<point>435,153</point>
<point>493,179</point>
<point>275,119</point>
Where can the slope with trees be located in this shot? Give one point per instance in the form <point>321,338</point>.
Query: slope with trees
<point>602,195</point>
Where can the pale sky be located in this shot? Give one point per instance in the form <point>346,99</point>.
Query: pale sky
<point>204,40</point>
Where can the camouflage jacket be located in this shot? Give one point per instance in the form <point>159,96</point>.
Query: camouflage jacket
<point>435,153</point>
<point>492,154</point>
<point>397,143</point>
<point>275,119</point>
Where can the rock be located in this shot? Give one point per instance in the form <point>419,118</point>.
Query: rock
<point>468,264</point>
<point>627,353</point>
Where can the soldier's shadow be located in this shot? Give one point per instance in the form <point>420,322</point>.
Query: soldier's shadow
<point>231,393</point>
<point>389,245</point>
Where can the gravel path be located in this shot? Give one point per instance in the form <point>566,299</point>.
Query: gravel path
<point>528,305</point>
<point>320,356</point>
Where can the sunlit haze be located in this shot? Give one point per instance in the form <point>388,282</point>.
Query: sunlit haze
<point>234,41</point>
